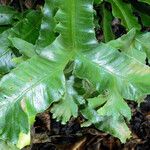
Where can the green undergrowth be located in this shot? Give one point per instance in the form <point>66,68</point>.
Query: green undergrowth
<point>51,59</point>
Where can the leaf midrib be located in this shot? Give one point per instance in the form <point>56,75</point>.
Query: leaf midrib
<point>72,22</point>
<point>123,13</point>
<point>57,69</point>
<point>107,70</point>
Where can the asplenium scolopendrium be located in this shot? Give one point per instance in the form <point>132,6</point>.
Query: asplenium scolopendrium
<point>40,79</point>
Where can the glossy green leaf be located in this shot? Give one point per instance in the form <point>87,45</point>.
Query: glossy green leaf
<point>143,11</point>
<point>28,28</point>
<point>107,64</point>
<point>120,76</point>
<point>76,34</point>
<point>116,127</point>
<point>40,81</point>
<point>124,12</point>
<point>115,123</point>
<point>142,43</point>
<point>37,99</point>
<point>96,101</point>
<point>133,44</point>
<point>8,15</point>
<point>107,24</point>
<point>28,89</point>
<point>19,60</point>
<point>23,29</point>
<point>76,31</point>
<point>91,115</point>
<point>124,42</point>
<point>112,118</point>
<point>47,35</point>
<point>6,63</point>
<point>24,47</point>
<point>67,107</point>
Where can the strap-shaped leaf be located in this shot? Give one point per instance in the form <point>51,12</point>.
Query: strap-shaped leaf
<point>92,116</point>
<point>142,43</point>
<point>33,95</point>
<point>75,29</point>
<point>47,35</point>
<point>75,25</point>
<point>67,107</point>
<point>6,56</point>
<point>28,90</point>
<point>27,27</point>
<point>33,88</point>
<point>8,15</point>
<point>133,44</point>
<point>143,11</point>
<point>107,23</point>
<point>105,64</point>
<point>120,76</point>
<point>112,120</point>
<point>23,29</point>
<point>90,113</point>
<point>124,12</point>
<point>38,82</point>
<point>24,47</point>
<point>145,1</point>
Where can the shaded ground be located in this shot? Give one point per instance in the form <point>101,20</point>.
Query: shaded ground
<point>50,135</point>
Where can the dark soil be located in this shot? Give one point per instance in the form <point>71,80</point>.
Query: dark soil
<point>47,134</point>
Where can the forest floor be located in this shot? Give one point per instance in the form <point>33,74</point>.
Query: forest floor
<point>47,134</point>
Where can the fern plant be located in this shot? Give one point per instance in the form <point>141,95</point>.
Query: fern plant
<point>53,60</point>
